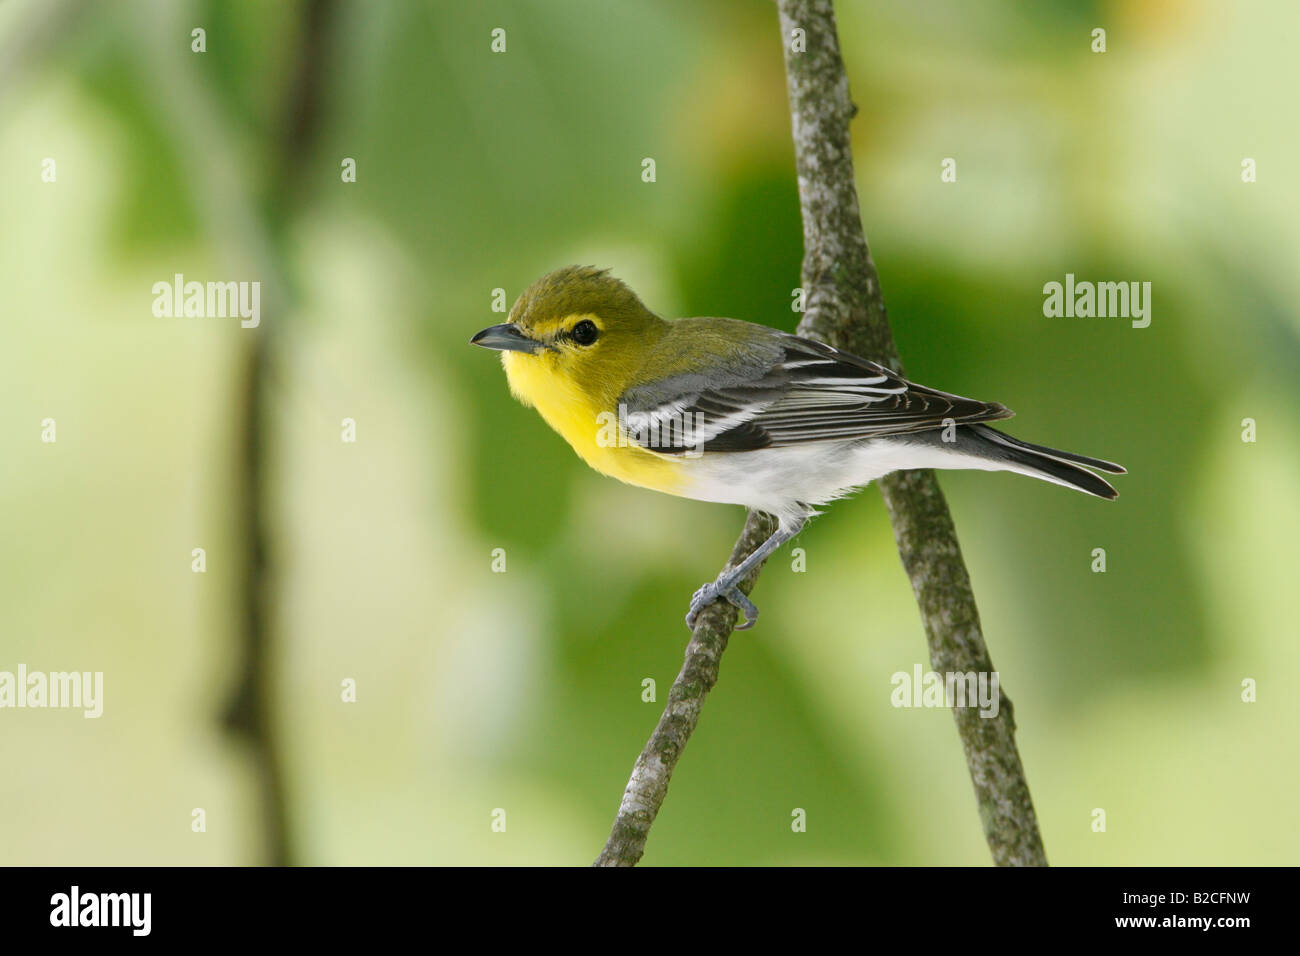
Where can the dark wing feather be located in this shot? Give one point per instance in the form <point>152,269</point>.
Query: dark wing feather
<point>803,391</point>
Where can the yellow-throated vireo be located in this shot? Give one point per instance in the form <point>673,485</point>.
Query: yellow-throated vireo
<point>730,411</point>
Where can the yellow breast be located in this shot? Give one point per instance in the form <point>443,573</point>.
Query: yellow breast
<point>588,427</point>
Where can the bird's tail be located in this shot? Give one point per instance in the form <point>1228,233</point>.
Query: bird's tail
<point>1050,464</point>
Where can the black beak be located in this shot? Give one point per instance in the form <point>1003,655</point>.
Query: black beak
<point>506,338</point>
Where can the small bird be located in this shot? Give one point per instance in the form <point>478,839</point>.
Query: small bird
<point>735,412</point>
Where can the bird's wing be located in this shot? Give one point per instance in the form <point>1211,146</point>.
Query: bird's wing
<point>788,391</point>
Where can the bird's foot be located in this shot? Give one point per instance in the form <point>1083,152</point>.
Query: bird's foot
<point>728,592</point>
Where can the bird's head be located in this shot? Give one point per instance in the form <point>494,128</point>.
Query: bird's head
<point>577,332</point>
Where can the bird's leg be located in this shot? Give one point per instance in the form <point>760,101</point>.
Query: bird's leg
<point>726,585</point>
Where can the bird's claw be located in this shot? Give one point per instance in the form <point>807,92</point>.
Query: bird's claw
<point>711,592</point>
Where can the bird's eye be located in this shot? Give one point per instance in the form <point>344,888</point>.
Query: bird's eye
<point>585,332</point>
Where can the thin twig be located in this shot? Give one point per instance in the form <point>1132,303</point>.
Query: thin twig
<point>649,783</point>
<point>251,712</point>
<point>250,237</point>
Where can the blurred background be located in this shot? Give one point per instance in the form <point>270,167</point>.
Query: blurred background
<point>479,690</point>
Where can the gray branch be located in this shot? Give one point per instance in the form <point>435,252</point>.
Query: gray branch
<point>845,308</point>
<point>649,783</point>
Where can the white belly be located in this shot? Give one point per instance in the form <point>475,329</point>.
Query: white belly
<point>782,481</point>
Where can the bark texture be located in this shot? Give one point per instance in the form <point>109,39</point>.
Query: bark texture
<point>844,307</point>
<point>654,768</point>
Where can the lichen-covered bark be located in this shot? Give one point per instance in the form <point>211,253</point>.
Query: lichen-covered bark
<point>649,782</point>
<point>845,308</point>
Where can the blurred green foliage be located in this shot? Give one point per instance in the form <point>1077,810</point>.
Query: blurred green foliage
<point>522,690</point>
